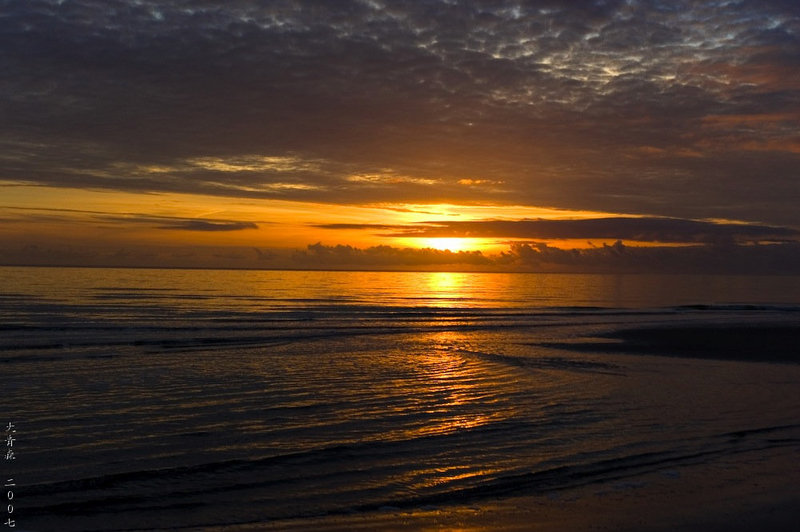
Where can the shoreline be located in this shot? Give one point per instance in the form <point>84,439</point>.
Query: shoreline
<point>745,342</point>
<point>736,493</point>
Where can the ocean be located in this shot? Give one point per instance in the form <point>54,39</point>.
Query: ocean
<point>140,399</point>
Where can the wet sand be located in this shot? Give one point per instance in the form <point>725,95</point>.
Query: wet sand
<point>753,342</point>
<point>755,491</point>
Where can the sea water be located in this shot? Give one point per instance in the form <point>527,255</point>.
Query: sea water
<point>144,398</point>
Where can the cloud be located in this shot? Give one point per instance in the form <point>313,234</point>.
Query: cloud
<point>205,225</point>
<point>768,259</point>
<point>642,229</point>
<point>63,215</point>
<point>319,255</point>
<point>365,102</point>
<point>175,223</point>
<point>368,226</point>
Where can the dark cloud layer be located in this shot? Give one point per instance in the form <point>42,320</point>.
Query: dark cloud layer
<point>619,258</point>
<point>767,259</point>
<point>539,257</point>
<point>686,109</point>
<point>70,216</point>
<point>205,225</point>
<point>319,255</point>
<point>666,230</point>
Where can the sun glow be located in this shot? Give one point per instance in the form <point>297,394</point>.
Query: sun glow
<point>450,244</point>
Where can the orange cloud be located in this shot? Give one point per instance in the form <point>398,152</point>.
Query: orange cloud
<point>785,145</point>
<point>762,120</point>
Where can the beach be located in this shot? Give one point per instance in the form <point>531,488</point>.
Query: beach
<point>739,495</point>
<point>741,341</point>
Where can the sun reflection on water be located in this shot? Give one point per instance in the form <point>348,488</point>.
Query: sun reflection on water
<point>445,288</point>
<point>459,396</point>
<point>455,386</point>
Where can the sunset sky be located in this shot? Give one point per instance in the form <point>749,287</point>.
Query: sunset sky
<point>487,135</point>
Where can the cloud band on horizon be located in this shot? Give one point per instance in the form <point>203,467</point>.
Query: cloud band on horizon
<point>643,229</point>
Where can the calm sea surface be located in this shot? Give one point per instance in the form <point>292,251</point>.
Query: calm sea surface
<point>174,398</point>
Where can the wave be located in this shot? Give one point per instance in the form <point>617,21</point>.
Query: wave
<point>708,307</point>
<point>256,402</point>
<point>318,490</point>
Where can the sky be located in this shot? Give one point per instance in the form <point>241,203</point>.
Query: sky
<point>607,136</point>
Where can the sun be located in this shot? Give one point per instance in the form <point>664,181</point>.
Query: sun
<point>454,244</point>
<point>449,244</point>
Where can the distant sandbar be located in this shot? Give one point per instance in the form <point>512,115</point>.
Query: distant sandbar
<point>758,343</point>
